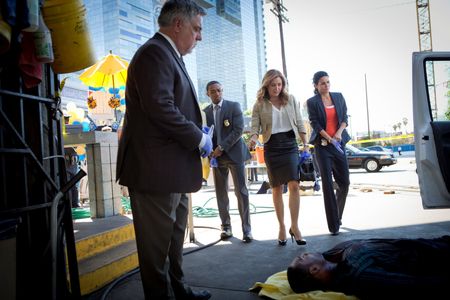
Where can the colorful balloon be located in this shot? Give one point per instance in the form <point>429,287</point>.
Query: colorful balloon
<point>86,126</point>
<point>80,150</point>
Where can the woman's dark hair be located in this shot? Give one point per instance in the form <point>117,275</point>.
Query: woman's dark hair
<point>317,77</point>
<point>301,281</point>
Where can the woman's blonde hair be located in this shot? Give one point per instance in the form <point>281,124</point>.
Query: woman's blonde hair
<point>263,92</point>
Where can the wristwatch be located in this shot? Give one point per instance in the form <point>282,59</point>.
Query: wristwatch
<point>220,147</point>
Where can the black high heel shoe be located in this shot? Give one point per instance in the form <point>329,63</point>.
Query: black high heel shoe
<point>282,242</point>
<point>299,242</point>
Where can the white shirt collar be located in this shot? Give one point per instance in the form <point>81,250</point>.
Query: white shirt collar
<point>218,104</point>
<point>170,42</point>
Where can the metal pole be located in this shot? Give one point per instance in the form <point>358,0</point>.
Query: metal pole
<point>280,24</point>
<point>191,220</point>
<point>367,106</point>
<point>278,12</point>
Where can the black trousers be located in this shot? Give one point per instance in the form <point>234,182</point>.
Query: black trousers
<point>160,223</point>
<point>332,163</point>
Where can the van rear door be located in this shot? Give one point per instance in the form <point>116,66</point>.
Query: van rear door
<point>431,112</point>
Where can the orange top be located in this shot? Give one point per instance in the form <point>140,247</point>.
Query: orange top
<point>332,120</point>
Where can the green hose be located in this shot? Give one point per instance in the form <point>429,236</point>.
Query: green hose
<point>81,213</point>
<point>85,212</point>
<point>204,212</point>
<point>126,205</point>
<point>197,211</point>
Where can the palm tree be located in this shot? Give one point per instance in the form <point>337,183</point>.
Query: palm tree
<point>395,127</point>
<point>405,122</point>
<point>399,126</point>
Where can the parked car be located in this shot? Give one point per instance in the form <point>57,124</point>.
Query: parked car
<point>379,148</point>
<point>371,161</point>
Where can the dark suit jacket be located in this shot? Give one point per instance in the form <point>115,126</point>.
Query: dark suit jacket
<point>232,126</point>
<point>158,150</point>
<point>318,117</point>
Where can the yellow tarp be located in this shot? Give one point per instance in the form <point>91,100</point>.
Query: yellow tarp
<point>277,287</point>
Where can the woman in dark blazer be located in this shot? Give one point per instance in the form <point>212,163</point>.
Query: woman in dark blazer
<point>328,116</point>
<point>276,116</point>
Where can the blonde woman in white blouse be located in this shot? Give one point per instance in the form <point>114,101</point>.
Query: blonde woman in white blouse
<point>276,116</point>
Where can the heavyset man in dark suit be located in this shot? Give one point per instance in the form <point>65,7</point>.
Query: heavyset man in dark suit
<point>231,154</point>
<point>159,151</point>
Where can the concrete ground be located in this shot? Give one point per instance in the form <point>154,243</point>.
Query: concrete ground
<point>229,268</point>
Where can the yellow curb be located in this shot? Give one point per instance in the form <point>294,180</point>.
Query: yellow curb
<point>96,244</point>
<point>97,279</point>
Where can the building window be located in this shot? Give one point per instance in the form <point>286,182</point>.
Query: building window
<point>230,10</point>
<point>130,34</point>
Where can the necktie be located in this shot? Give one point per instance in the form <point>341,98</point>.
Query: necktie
<point>216,114</point>
<point>217,122</point>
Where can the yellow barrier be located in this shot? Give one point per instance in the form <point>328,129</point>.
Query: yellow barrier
<point>397,137</point>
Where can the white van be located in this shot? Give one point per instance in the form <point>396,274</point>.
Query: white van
<point>431,112</point>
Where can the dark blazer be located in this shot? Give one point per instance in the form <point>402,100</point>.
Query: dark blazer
<point>232,126</point>
<point>158,150</point>
<point>318,117</point>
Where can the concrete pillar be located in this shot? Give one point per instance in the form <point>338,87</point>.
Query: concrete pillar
<point>101,154</point>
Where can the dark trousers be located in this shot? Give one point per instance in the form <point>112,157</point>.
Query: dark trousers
<point>333,164</point>
<point>160,224</point>
<point>220,174</point>
<point>74,191</point>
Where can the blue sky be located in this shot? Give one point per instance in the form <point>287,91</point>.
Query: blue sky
<point>351,38</point>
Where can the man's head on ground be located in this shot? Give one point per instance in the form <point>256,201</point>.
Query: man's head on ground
<point>307,272</point>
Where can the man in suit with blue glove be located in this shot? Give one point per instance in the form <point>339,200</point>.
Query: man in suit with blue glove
<point>231,153</point>
<point>162,132</point>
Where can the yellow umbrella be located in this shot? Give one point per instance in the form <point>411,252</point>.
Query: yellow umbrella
<point>110,72</point>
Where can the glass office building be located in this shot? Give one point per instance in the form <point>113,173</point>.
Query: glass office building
<point>232,50</point>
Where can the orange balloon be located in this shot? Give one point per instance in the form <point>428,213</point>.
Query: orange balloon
<point>80,150</point>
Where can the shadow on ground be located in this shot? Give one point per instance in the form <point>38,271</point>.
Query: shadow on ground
<point>229,268</point>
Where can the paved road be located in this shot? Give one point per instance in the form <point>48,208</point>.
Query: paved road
<point>402,174</point>
<point>388,198</point>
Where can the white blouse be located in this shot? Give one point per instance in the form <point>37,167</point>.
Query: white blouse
<point>280,120</point>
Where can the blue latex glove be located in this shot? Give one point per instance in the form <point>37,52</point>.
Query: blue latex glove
<point>207,148</point>
<point>304,156</point>
<point>337,145</point>
<point>205,129</point>
<point>213,162</point>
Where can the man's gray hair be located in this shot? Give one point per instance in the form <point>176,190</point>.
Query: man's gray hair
<point>184,9</point>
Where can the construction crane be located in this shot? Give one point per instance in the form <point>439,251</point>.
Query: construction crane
<point>425,44</point>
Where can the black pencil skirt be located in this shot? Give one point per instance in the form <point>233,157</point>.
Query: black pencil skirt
<point>281,157</point>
